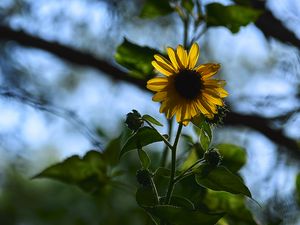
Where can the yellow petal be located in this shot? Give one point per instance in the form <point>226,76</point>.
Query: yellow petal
<point>223,93</point>
<point>172,56</point>
<point>208,70</point>
<point>162,68</point>
<point>216,101</point>
<point>193,56</point>
<point>164,61</point>
<point>157,83</point>
<point>183,57</point>
<point>159,96</point>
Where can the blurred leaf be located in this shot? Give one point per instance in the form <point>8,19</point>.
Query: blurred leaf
<point>233,156</point>
<point>154,8</point>
<point>180,201</point>
<point>181,216</point>
<point>144,158</point>
<point>136,59</point>
<point>298,188</point>
<point>112,151</point>
<point>233,205</point>
<point>152,120</point>
<point>188,5</point>
<point>145,197</point>
<point>221,179</point>
<point>89,172</point>
<point>232,16</point>
<point>144,136</point>
<point>243,2</point>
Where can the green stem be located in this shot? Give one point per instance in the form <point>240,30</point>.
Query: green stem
<point>163,138</point>
<point>185,31</point>
<point>165,151</point>
<point>173,166</point>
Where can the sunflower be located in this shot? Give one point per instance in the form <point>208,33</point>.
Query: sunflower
<point>186,90</point>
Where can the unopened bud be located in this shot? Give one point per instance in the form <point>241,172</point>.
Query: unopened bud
<point>134,120</point>
<point>213,157</point>
<point>143,177</point>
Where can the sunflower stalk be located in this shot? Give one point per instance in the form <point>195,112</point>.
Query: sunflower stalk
<point>173,165</point>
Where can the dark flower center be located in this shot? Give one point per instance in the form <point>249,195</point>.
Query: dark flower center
<point>188,84</point>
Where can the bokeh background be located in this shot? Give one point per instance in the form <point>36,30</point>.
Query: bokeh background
<point>62,93</point>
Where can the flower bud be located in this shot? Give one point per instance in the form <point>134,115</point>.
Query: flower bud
<point>134,120</point>
<point>213,157</point>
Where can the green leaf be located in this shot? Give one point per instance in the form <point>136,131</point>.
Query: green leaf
<point>190,160</point>
<point>144,158</point>
<point>181,216</point>
<point>89,172</point>
<point>205,136</point>
<point>145,197</point>
<point>163,172</point>
<point>136,59</point>
<point>233,156</point>
<point>198,120</point>
<point>232,16</point>
<point>144,136</point>
<point>152,120</point>
<point>233,205</point>
<point>188,5</point>
<point>112,151</point>
<point>180,201</point>
<point>221,179</point>
<point>298,188</point>
<point>154,8</point>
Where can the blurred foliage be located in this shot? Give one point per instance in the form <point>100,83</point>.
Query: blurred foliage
<point>232,17</point>
<point>154,8</point>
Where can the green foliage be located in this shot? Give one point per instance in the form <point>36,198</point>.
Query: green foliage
<point>144,136</point>
<point>145,196</point>
<point>136,59</point>
<point>298,188</point>
<point>112,151</point>
<point>232,16</point>
<point>152,120</point>
<point>233,156</point>
<point>180,202</point>
<point>233,205</point>
<point>220,179</point>
<point>203,129</point>
<point>89,173</point>
<point>144,158</point>
<point>154,8</point>
<point>182,216</point>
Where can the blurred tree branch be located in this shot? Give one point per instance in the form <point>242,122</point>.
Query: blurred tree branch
<point>85,59</point>
<point>272,26</point>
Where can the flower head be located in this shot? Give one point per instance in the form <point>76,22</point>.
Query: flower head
<point>186,90</point>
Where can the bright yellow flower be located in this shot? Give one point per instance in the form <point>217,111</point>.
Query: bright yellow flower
<point>186,90</point>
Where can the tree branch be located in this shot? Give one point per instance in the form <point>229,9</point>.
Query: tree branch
<point>263,125</point>
<point>69,54</point>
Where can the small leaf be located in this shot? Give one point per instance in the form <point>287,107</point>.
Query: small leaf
<point>233,156</point>
<point>145,197</point>
<point>144,158</point>
<point>144,136</point>
<point>221,179</point>
<point>232,16</point>
<point>181,216</point>
<point>89,172</point>
<point>136,59</point>
<point>152,120</point>
<point>205,136</point>
<point>198,120</point>
<point>154,8</point>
